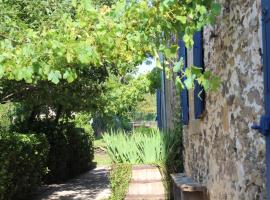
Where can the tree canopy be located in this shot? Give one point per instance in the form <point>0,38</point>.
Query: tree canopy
<point>53,40</point>
<point>72,55</point>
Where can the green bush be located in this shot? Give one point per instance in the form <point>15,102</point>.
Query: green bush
<point>81,150</point>
<point>22,164</point>
<point>120,175</point>
<point>71,150</point>
<point>58,155</point>
<point>71,146</point>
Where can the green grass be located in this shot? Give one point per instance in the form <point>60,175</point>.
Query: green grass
<point>100,143</point>
<point>101,158</point>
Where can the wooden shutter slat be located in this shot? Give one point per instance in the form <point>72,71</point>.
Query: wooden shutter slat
<point>184,94</point>
<point>199,94</point>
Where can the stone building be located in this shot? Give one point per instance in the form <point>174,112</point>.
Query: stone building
<point>221,150</point>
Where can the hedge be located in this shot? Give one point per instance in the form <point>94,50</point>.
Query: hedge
<point>22,164</point>
<point>120,176</point>
<point>71,152</point>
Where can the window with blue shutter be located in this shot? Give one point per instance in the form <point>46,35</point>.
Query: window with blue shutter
<point>184,94</point>
<point>199,94</point>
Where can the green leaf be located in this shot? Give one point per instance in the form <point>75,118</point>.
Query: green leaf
<point>69,57</point>
<point>188,39</point>
<point>179,83</point>
<point>201,9</point>
<point>2,71</point>
<point>182,19</point>
<point>196,70</point>
<point>2,58</point>
<point>189,82</point>
<point>178,65</point>
<point>215,83</point>
<point>216,8</point>
<point>174,49</point>
<point>85,55</point>
<point>69,76</point>
<point>54,76</point>
<point>87,5</point>
<point>74,3</point>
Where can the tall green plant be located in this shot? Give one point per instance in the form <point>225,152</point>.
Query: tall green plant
<point>141,148</point>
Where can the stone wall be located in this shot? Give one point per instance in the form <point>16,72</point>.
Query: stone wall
<point>221,150</point>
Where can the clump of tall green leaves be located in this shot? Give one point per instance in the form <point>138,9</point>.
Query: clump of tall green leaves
<point>141,148</point>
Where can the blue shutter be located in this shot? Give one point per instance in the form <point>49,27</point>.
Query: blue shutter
<point>266,52</point>
<point>184,94</point>
<point>159,122</point>
<point>265,120</point>
<point>199,94</point>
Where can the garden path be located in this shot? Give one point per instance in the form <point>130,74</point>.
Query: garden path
<point>91,185</point>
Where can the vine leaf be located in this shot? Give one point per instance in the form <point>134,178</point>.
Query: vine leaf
<point>54,76</point>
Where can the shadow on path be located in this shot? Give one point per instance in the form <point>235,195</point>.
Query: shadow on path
<point>91,185</point>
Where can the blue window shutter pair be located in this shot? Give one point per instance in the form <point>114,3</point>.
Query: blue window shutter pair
<point>199,94</point>
<point>184,94</point>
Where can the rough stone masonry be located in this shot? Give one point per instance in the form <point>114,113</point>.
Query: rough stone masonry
<point>221,150</point>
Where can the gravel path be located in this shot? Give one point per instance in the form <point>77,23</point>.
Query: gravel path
<point>91,185</point>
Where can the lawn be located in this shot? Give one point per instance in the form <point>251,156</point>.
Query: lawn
<point>101,157</point>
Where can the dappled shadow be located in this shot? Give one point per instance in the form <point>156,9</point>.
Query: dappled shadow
<point>91,185</point>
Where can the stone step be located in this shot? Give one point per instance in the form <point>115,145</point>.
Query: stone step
<point>146,184</point>
<point>146,197</point>
<point>144,173</point>
<point>145,188</point>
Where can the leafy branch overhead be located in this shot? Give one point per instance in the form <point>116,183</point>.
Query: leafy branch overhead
<point>55,40</point>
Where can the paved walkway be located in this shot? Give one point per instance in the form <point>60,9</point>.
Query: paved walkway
<point>91,185</point>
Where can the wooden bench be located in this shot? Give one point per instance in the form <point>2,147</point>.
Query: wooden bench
<point>185,188</point>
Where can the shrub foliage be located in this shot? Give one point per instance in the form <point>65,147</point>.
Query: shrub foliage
<point>22,164</point>
<point>71,149</point>
<point>119,178</point>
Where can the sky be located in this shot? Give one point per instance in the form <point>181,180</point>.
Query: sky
<point>146,67</point>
